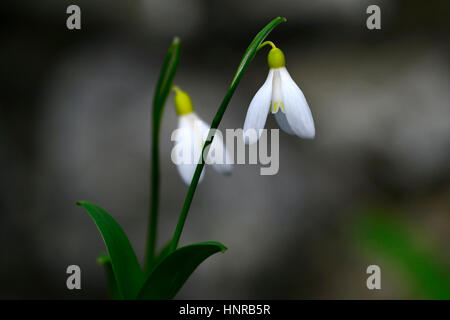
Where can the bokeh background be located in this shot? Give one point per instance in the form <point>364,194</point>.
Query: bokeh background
<point>373,187</point>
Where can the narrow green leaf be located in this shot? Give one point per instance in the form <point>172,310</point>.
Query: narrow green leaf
<point>165,79</point>
<point>105,261</point>
<point>170,275</point>
<point>160,257</point>
<point>128,274</point>
<point>162,91</point>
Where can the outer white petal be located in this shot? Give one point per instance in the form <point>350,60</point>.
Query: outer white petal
<point>190,138</point>
<point>224,166</point>
<point>298,114</point>
<point>283,123</point>
<point>258,110</point>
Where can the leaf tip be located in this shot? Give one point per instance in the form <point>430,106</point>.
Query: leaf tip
<point>176,40</point>
<point>103,259</point>
<point>79,203</point>
<point>221,247</point>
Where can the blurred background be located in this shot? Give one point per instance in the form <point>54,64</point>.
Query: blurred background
<point>373,187</point>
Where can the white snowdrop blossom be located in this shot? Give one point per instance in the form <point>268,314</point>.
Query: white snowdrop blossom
<point>189,140</point>
<point>281,96</point>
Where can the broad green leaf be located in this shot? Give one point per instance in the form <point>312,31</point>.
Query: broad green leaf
<point>105,261</point>
<point>170,275</point>
<point>128,274</point>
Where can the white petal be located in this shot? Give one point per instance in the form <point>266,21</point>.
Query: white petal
<point>258,110</point>
<point>283,123</point>
<point>298,114</point>
<point>225,167</point>
<point>223,162</point>
<point>277,94</point>
<point>189,138</point>
<point>187,171</point>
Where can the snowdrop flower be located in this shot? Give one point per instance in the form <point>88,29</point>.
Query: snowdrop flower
<point>281,96</point>
<point>189,140</point>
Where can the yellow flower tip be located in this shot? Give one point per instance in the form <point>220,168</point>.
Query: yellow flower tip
<point>183,102</point>
<point>276,106</point>
<point>276,59</point>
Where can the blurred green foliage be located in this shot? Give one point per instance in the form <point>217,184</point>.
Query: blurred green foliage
<point>379,231</point>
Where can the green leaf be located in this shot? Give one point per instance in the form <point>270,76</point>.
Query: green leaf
<point>170,275</point>
<point>165,79</point>
<point>105,261</point>
<point>246,59</point>
<point>128,274</point>
<point>163,88</point>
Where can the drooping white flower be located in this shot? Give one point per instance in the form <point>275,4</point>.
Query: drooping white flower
<point>189,140</point>
<point>281,96</point>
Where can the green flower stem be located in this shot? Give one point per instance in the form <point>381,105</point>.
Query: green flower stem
<point>163,88</point>
<point>265,43</point>
<point>248,57</point>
